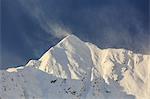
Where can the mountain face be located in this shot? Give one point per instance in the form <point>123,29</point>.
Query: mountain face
<point>74,69</point>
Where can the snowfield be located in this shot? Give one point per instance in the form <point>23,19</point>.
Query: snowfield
<point>74,69</point>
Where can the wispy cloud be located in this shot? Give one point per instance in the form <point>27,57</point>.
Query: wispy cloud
<point>113,24</point>
<point>50,25</point>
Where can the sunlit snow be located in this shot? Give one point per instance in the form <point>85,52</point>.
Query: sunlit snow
<point>74,69</point>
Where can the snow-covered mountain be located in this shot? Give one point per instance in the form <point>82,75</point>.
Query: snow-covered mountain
<point>74,69</point>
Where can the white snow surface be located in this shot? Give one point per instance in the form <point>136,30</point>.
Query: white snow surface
<point>74,69</point>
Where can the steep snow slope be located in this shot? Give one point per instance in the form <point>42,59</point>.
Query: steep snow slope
<point>70,58</point>
<point>74,69</point>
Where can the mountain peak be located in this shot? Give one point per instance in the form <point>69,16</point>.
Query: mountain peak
<point>69,38</point>
<point>69,52</point>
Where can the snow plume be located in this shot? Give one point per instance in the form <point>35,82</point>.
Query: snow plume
<point>60,30</point>
<point>49,24</point>
<point>119,24</point>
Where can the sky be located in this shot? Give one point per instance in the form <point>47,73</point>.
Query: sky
<point>30,27</point>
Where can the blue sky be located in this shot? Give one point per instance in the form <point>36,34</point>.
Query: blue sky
<point>30,27</point>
